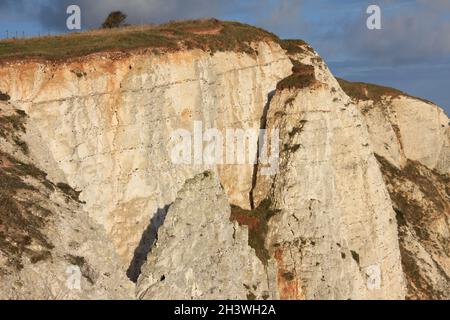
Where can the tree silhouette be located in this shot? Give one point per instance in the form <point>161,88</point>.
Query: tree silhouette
<point>114,20</point>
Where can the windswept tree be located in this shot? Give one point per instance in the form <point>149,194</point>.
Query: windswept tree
<point>114,20</point>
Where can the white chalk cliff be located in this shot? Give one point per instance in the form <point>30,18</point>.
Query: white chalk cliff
<point>359,207</point>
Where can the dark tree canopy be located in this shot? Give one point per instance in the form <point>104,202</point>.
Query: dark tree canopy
<point>114,20</point>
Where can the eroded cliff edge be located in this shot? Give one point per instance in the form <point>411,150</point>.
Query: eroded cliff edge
<point>327,225</point>
<point>410,137</point>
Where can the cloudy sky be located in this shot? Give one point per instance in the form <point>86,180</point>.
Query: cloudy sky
<point>411,52</point>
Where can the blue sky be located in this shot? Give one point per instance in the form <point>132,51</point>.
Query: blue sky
<point>411,52</point>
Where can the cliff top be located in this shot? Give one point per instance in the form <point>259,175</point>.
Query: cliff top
<point>368,91</point>
<point>208,34</point>
<point>302,76</point>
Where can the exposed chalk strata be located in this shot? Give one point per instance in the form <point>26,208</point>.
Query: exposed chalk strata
<point>402,127</point>
<point>358,208</point>
<point>335,236</point>
<point>108,133</point>
<point>49,247</point>
<point>411,139</point>
<point>421,199</point>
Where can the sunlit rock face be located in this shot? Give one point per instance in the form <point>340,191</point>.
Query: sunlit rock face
<point>105,126</point>
<point>200,253</point>
<point>410,137</point>
<point>357,206</point>
<point>402,127</point>
<point>335,235</point>
<point>49,247</point>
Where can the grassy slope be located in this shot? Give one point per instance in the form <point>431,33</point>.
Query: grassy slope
<point>368,91</point>
<point>212,35</point>
<point>209,34</point>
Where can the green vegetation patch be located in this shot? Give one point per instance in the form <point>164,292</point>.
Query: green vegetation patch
<point>294,46</point>
<point>302,76</point>
<point>209,34</point>
<point>12,126</point>
<point>367,91</point>
<point>257,222</point>
<point>22,218</point>
<point>69,191</point>
<point>417,216</point>
<point>434,186</point>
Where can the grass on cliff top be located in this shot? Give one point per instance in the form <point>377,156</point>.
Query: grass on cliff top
<point>368,91</point>
<point>302,76</point>
<point>209,34</point>
<point>293,46</point>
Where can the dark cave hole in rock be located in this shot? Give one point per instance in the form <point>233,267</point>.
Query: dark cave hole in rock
<point>4,96</point>
<point>148,239</point>
<point>355,256</point>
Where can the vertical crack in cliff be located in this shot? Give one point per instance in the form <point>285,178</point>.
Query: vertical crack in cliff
<point>260,145</point>
<point>148,239</point>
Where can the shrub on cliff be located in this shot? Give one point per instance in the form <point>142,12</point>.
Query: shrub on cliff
<point>114,20</point>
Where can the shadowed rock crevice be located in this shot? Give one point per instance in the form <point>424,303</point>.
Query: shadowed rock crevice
<point>148,239</point>
<point>4,96</point>
<point>262,125</point>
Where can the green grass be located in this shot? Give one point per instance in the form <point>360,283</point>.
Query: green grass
<point>293,46</point>
<point>22,220</point>
<point>210,35</point>
<point>12,125</point>
<point>302,76</point>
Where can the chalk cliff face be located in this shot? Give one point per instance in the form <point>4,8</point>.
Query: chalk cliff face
<point>108,132</point>
<point>335,236</point>
<point>347,215</point>
<point>224,266</point>
<point>402,127</point>
<point>410,138</point>
<point>50,248</point>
